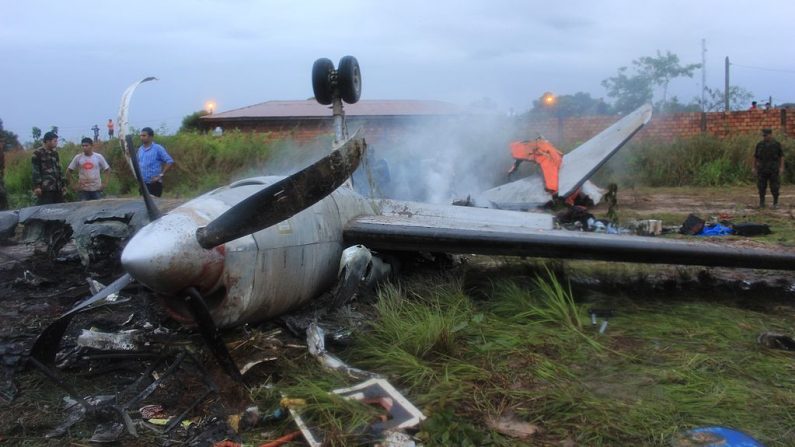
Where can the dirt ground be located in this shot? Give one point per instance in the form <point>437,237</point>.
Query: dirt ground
<point>35,290</point>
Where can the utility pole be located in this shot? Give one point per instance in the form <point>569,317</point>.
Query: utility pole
<point>726,89</point>
<point>703,75</point>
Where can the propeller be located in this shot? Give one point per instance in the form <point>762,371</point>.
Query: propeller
<point>286,197</point>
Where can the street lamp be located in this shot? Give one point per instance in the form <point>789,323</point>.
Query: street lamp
<point>209,106</point>
<point>549,99</point>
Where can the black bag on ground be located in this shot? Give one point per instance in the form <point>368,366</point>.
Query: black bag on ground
<point>751,229</point>
<point>692,225</point>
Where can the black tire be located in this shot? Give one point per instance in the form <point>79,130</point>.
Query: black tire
<point>322,71</point>
<point>350,79</point>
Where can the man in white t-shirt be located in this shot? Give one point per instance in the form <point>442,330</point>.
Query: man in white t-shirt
<point>89,165</point>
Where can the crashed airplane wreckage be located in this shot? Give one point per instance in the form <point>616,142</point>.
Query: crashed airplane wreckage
<point>262,246</point>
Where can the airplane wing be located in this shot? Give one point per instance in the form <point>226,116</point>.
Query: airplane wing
<point>500,232</point>
<point>581,163</point>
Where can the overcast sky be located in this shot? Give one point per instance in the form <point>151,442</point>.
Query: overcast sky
<point>66,63</point>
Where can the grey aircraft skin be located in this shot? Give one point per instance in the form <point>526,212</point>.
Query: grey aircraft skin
<point>259,247</point>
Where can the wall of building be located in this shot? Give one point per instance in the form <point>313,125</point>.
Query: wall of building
<point>573,130</point>
<point>564,132</point>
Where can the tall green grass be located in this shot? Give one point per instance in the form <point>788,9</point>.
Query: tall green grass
<point>203,162</point>
<point>703,160</point>
<point>470,346</point>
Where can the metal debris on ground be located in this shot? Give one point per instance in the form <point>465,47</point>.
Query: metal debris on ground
<point>315,340</point>
<point>776,341</point>
<point>32,279</point>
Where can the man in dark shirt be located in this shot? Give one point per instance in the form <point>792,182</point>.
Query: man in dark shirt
<point>768,166</point>
<point>48,180</point>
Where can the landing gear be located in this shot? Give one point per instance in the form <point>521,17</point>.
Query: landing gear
<point>344,82</point>
<point>350,79</point>
<point>323,81</point>
<point>335,86</point>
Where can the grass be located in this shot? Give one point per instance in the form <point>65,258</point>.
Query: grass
<point>662,366</point>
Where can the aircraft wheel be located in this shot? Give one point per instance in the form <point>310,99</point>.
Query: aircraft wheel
<point>322,71</point>
<point>350,79</point>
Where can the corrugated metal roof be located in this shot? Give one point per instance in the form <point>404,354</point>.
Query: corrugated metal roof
<point>311,109</point>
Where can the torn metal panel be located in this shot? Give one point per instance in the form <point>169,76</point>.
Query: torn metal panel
<point>131,340</point>
<point>8,223</point>
<point>100,228</point>
<point>316,343</point>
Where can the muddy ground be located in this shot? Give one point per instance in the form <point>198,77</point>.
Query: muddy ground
<point>35,290</point>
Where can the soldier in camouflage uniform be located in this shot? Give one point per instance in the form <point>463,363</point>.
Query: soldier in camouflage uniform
<point>768,166</point>
<point>48,181</point>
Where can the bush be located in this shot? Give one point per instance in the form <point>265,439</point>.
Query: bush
<point>703,160</point>
<point>203,162</point>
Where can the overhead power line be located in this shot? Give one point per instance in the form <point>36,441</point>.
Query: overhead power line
<point>780,70</point>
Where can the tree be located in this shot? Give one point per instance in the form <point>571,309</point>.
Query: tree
<point>716,102</point>
<point>35,133</point>
<point>192,123</point>
<point>8,140</point>
<point>662,69</point>
<point>578,104</point>
<point>633,90</point>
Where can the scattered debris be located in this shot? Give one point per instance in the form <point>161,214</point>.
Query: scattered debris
<point>649,227</point>
<point>316,343</point>
<point>130,340</point>
<point>692,225</point>
<point>715,437</point>
<point>401,412</point>
<point>776,341</point>
<point>509,425</point>
<point>751,229</point>
<point>601,313</point>
<point>32,279</point>
<point>106,433</point>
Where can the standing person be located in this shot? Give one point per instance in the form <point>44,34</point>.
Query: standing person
<point>768,166</point>
<point>110,128</point>
<point>90,183</point>
<point>48,181</point>
<point>96,133</point>
<point>154,162</point>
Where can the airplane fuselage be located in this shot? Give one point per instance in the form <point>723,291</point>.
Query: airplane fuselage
<point>252,278</point>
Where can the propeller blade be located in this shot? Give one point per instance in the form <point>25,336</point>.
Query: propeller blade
<point>46,345</point>
<point>201,314</point>
<point>285,198</point>
<point>123,119</point>
<point>151,208</point>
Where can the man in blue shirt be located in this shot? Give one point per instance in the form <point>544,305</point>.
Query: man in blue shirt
<point>154,162</point>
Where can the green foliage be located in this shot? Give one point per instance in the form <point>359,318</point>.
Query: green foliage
<point>633,90</point>
<point>203,162</point>
<point>703,160</point>
<point>36,134</point>
<point>662,366</point>
<point>192,123</point>
<point>739,98</point>
<point>8,140</point>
